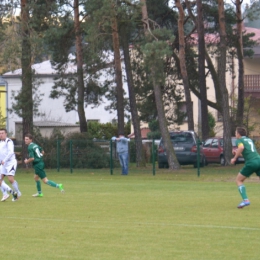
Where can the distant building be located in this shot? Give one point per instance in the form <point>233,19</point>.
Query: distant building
<point>53,109</point>
<point>46,128</point>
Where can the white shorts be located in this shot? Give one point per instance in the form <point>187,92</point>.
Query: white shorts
<point>9,169</point>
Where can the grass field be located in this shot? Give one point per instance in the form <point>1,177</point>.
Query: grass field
<point>101,217</point>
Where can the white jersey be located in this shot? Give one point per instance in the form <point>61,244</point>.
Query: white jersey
<point>7,152</point>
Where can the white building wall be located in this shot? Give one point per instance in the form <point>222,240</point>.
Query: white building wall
<point>53,108</point>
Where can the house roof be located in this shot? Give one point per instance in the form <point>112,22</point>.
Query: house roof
<point>256,31</point>
<point>45,68</point>
<point>214,38</point>
<point>51,124</point>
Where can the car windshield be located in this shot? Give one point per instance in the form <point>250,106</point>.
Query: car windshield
<point>182,138</point>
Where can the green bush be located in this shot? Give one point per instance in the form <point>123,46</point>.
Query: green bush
<point>86,153</point>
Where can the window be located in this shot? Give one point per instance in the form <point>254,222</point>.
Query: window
<point>182,138</point>
<point>207,143</point>
<point>215,143</point>
<point>252,83</point>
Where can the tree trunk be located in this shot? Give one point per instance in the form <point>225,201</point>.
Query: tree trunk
<point>211,68</point>
<point>222,81</point>
<point>140,160</point>
<point>171,157</point>
<point>81,92</point>
<point>202,80</point>
<point>119,81</point>
<point>144,15</point>
<point>240,55</point>
<point>189,105</point>
<point>26,97</point>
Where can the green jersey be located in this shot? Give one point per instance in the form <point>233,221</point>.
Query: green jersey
<point>249,151</point>
<point>34,151</point>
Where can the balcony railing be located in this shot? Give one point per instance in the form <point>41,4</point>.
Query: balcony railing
<point>252,83</point>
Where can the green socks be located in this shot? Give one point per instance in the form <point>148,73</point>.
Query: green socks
<point>242,191</point>
<point>52,183</point>
<point>38,186</point>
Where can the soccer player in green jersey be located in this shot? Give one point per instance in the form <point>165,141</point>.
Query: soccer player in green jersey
<point>247,148</point>
<point>35,157</point>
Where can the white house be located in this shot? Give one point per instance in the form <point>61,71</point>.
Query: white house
<point>53,109</point>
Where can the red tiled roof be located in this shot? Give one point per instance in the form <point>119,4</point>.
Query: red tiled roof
<point>256,31</point>
<point>214,38</point>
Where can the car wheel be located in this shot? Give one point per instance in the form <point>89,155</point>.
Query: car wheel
<point>222,160</point>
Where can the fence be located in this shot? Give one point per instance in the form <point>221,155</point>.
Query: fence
<point>95,154</point>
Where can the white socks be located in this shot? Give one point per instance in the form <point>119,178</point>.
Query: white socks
<point>15,186</point>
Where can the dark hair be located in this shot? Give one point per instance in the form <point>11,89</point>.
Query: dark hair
<point>29,136</point>
<point>3,129</point>
<point>120,133</point>
<point>241,131</point>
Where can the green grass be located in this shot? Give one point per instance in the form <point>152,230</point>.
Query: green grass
<point>172,215</point>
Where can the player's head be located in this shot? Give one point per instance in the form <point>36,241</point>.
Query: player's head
<point>28,138</point>
<point>241,131</point>
<point>3,133</point>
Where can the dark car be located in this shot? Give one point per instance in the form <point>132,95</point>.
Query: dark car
<point>213,150</point>
<point>185,147</point>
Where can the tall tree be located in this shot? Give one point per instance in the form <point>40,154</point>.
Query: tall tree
<point>185,79</point>
<point>202,76</point>
<point>79,58</point>
<point>132,99</point>
<point>118,70</point>
<point>222,83</point>
<point>240,55</point>
<point>155,53</point>
<point>25,97</point>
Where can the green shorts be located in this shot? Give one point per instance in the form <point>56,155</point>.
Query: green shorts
<point>251,167</point>
<point>39,170</point>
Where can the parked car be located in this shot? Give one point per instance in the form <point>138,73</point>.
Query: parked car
<point>213,150</point>
<point>185,147</point>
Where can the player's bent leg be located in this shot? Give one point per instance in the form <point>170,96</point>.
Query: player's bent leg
<point>14,193</point>
<point>242,190</point>
<point>4,188</point>
<point>53,184</point>
<point>240,179</point>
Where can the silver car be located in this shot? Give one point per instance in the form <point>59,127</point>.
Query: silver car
<point>185,147</point>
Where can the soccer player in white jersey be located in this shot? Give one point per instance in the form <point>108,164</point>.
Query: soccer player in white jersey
<point>8,163</point>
